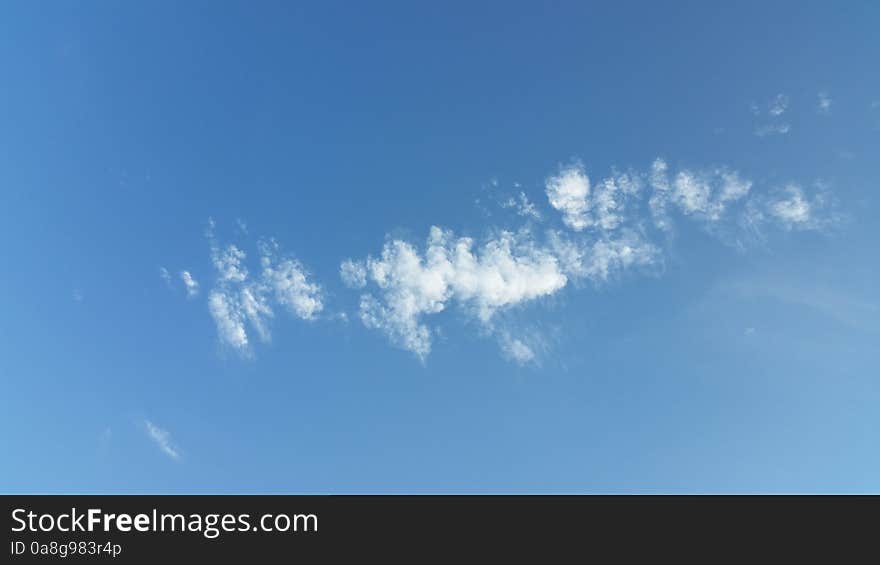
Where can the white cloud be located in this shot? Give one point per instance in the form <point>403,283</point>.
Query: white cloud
<point>691,192</point>
<point>659,182</point>
<point>568,192</point>
<point>289,281</point>
<point>607,257</point>
<point>524,207</point>
<point>353,273</point>
<point>778,105</point>
<point>775,109</point>
<point>772,129</point>
<point>165,275</point>
<point>792,210</point>
<point>507,270</point>
<point>609,199</point>
<point>600,207</point>
<point>192,286</point>
<point>824,102</point>
<point>610,232</point>
<point>228,264</point>
<point>516,349</point>
<point>229,319</point>
<point>238,300</point>
<point>406,285</point>
<point>706,194</point>
<point>733,187</point>
<point>599,260</point>
<point>162,439</point>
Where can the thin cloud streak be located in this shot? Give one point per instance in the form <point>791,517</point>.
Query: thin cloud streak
<point>162,439</point>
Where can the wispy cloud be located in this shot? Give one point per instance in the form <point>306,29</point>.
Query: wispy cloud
<point>523,206</point>
<point>775,109</point>
<point>793,208</point>
<point>165,276</point>
<point>605,229</point>
<point>192,286</point>
<point>778,105</point>
<point>241,225</point>
<point>824,102</point>
<point>772,129</point>
<point>163,439</point>
<point>516,349</point>
<point>606,235</point>
<point>354,274</point>
<point>239,300</point>
<point>706,194</point>
<point>584,206</point>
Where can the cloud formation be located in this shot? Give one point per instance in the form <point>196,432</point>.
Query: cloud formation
<point>606,234</point>
<point>772,129</point>
<point>704,194</point>
<point>606,228</point>
<point>239,301</point>
<point>524,207</point>
<point>775,109</point>
<point>163,439</point>
<point>824,103</point>
<point>192,286</point>
<point>568,193</point>
<point>778,105</point>
<point>516,349</point>
<point>506,270</point>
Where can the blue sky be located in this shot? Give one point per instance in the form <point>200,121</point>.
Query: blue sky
<point>504,247</point>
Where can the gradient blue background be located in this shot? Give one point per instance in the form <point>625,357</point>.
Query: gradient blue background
<point>124,126</point>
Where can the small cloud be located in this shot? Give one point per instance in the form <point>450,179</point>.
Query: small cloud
<point>772,129</point>
<point>165,275</point>
<point>242,226</point>
<point>162,439</point>
<point>749,331</point>
<point>824,103</point>
<point>192,286</point>
<point>568,192</point>
<point>239,298</point>
<point>517,350</point>
<point>778,105</point>
<point>78,295</point>
<point>524,207</point>
<point>775,109</point>
<point>353,273</point>
<point>792,210</point>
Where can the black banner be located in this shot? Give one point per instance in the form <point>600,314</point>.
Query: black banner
<point>134,529</point>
